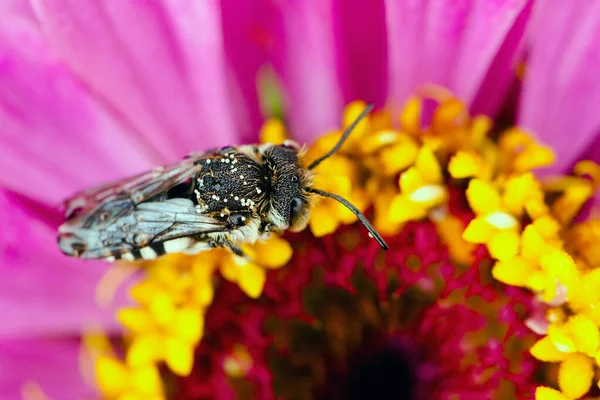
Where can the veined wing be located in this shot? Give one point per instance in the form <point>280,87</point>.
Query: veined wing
<point>125,219</point>
<point>136,188</point>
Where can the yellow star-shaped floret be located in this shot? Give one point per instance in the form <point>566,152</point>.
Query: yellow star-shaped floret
<point>575,190</point>
<point>387,152</point>
<point>585,298</point>
<point>249,273</point>
<point>574,345</point>
<point>162,330</point>
<point>339,175</point>
<point>452,130</point>
<point>537,263</point>
<point>520,152</point>
<point>118,380</point>
<point>493,225</point>
<point>169,321</point>
<point>421,189</point>
<point>466,164</point>
<point>499,211</point>
<point>582,240</point>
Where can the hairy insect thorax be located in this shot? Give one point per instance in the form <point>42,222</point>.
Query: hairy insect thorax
<point>264,185</point>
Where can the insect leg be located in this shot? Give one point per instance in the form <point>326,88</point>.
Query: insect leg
<point>235,249</point>
<point>204,243</point>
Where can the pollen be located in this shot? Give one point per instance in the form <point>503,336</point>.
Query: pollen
<point>238,363</point>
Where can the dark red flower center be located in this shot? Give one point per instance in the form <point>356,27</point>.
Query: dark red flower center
<point>384,373</point>
<point>345,320</point>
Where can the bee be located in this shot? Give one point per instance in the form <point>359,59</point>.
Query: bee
<point>215,199</point>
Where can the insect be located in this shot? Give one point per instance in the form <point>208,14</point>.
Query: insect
<point>219,198</point>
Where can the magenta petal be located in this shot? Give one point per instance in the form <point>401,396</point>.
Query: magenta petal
<point>247,37</point>
<point>54,138</point>
<point>361,43</point>
<point>159,63</point>
<point>452,43</point>
<point>496,85</point>
<point>42,291</point>
<point>592,152</point>
<point>51,365</point>
<point>305,58</point>
<point>18,10</point>
<point>561,91</point>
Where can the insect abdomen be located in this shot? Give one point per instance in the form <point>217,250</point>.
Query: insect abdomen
<point>149,252</point>
<point>152,251</point>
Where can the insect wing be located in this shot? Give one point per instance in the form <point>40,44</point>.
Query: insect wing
<point>122,217</point>
<point>137,188</point>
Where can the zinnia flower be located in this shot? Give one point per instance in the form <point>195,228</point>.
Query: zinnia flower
<point>491,248</point>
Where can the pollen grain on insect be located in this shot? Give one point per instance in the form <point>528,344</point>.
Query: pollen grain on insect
<point>258,191</point>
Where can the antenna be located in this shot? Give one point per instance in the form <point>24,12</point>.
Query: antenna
<point>345,135</point>
<point>356,212</point>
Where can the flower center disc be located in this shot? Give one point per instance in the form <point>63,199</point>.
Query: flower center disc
<point>385,373</point>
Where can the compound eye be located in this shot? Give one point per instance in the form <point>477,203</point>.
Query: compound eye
<point>237,219</point>
<point>295,207</point>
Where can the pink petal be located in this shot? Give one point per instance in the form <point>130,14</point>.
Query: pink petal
<point>304,57</point>
<point>54,137</point>
<point>247,39</point>
<point>561,91</point>
<point>361,44</point>
<point>17,9</point>
<point>42,291</point>
<point>51,365</point>
<point>159,63</point>
<point>453,43</point>
<point>495,89</point>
